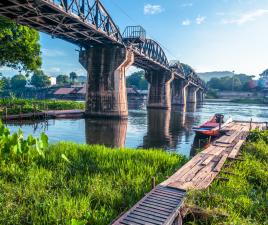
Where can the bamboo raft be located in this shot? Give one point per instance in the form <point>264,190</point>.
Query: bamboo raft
<point>198,173</point>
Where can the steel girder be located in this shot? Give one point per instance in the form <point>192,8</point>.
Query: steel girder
<point>82,22</point>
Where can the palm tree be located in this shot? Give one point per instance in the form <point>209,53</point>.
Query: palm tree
<point>73,76</point>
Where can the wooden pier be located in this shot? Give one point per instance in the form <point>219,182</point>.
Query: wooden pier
<point>50,114</point>
<point>198,173</point>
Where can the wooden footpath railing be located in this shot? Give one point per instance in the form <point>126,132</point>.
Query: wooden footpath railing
<point>163,205</point>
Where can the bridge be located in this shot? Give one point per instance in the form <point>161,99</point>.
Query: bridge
<point>106,54</point>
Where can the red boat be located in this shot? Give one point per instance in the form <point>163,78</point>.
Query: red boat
<point>213,126</point>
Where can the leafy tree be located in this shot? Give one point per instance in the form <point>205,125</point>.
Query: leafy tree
<point>62,79</point>
<point>239,82</point>
<point>39,79</point>
<point>73,76</point>
<point>19,46</point>
<point>137,80</point>
<point>18,82</point>
<point>4,83</point>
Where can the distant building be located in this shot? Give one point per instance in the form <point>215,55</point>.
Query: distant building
<point>53,81</point>
<point>73,93</point>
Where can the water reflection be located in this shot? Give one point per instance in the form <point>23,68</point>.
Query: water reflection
<point>111,133</point>
<point>158,124</point>
<point>168,129</point>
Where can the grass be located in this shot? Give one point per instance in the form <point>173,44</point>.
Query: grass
<point>16,106</point>
<point>78,184</point>
<point>243,198</point>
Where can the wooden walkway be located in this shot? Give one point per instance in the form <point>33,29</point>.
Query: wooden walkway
<point>50,114</point>
<point>198,173</point>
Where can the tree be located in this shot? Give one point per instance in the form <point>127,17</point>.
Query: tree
<point>18,82</point>
<point>73,76</point>
<point>5,83</point>
<point>19,46</point>
<point>62,79</point>
<point>137,80</point>
<point>39,79</point>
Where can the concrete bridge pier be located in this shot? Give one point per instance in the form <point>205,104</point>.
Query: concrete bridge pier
<point>159,89</point>
<point>179,91</point>
<point>106,85</point>
<point>200,95</point>
<point>192,94</point>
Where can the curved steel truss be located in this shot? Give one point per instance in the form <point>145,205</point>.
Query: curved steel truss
<point>83,22</point>
<point>150,50</point>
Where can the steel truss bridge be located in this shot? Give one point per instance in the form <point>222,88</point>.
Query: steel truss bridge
<point>86,23</point>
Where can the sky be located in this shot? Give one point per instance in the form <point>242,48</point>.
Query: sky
<point>209,35</point>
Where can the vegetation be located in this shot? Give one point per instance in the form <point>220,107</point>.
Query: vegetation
<point>248,101</point>
<point>68,183</point>
<point>242,199</point>
<point>19,48</point>
<point>62,80</point>
<point>137,80</point>
<point>239,82</point>
<point>73,77</point>
<point>18,82</point>
<point>16,106</point>
<point>39,79</point>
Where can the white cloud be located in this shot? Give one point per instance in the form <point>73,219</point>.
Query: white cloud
<point>186,22</point>
<point>189,4</point>
<point>52,52</point>
<point>200,19</point>
<point>152,9</point>
<point>246,17</point>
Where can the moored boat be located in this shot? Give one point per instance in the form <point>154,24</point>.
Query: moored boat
<point>213,126</point>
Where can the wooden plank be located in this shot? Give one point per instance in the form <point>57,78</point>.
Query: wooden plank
<point>205,162</point>
<point>144,219</point>
<point>236,149</point>
<point>220,163</point>
<point>181,172</point>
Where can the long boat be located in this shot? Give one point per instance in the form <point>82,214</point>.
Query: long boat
<point>213,126</point>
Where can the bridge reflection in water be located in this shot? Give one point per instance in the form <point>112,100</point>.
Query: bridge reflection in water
<point>168,128</point>
<point>111,133</point>
<point>165,129</point>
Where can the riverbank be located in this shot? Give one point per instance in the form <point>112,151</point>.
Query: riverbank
<point>14,106</point>
<point>239,195</point>
<point>248,101</point>
<point>68,183</point>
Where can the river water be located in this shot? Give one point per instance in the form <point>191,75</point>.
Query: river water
<point>167,129</point>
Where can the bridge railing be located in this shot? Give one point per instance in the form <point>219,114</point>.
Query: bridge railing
<point>134,34</point>
<point>92,12</point>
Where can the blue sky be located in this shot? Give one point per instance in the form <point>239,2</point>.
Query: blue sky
<point>209,35</point>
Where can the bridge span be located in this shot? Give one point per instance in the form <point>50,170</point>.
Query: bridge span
<point>106,54</point>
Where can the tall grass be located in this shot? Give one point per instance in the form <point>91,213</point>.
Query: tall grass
<point>79,184</point>
<point>243,198</point>
<point>15,106</point>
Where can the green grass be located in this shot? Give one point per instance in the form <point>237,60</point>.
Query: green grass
<point>244,198</point>
<point>15,106</point>
<point>78,184</point>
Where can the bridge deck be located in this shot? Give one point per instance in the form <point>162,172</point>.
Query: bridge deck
<point>198,173</point>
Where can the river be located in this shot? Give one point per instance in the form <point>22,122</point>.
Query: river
<point>167,129</point>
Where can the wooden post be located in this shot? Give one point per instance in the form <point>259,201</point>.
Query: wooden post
<point>250,125</point>
<point>153,182</point>
<point>20,112</point>
<point>6,113</point>
<point>209,139</point>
